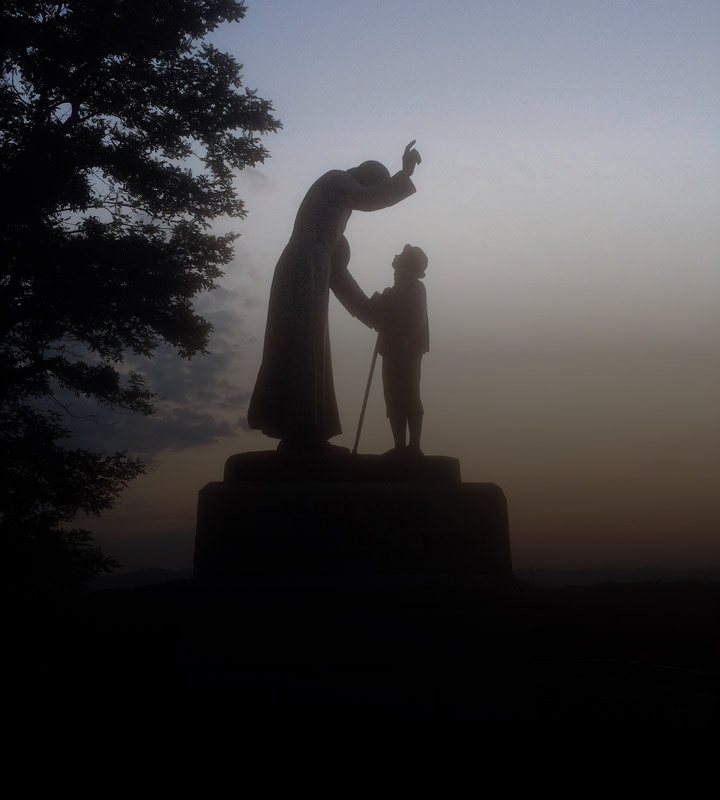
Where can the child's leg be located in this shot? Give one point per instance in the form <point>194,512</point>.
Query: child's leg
<point>397,425</point>
<point>415,428</point>
<point>392,388</point>
<point>414,405</point>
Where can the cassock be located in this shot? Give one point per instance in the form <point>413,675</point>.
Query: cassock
<point>294,396</point>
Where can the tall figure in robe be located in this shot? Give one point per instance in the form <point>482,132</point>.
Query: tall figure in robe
<point>294,396</point>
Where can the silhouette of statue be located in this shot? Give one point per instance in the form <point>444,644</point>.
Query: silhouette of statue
<point>294,396</point>
<point>400,316</point>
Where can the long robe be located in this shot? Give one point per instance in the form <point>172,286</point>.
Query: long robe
<point>294,396</point>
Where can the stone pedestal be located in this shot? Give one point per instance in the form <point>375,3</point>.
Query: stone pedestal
<point>340,514</point>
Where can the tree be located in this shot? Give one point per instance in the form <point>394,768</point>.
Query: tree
<point>120,134</point>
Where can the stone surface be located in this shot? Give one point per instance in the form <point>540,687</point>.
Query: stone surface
<point>334,467</point>
<point>339,514</point>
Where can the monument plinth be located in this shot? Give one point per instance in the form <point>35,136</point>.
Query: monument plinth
<point>335,513</point>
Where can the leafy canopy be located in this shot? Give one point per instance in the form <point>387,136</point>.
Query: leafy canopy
<point>120,133</point>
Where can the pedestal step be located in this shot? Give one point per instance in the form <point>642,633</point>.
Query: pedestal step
<point>325,515</point>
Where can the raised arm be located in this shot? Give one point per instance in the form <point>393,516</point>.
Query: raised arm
<point>410,159</point>
<point>364,195</point>
<point>372,198</point>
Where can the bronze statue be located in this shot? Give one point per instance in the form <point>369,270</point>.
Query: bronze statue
<point>294,396</point>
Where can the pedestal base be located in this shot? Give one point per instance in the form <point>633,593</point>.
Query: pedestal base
<point>340,514</point>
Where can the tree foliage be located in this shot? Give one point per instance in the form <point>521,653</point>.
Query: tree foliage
<point>121,130</point>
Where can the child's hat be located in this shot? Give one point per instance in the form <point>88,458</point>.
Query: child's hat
<point>419,260</point>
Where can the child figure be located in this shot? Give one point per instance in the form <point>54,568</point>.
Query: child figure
<point>400,316</point>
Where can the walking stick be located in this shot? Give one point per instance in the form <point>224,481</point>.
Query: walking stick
<point>367,393</point>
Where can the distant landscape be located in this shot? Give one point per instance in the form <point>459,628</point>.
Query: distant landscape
<point>540,578</point>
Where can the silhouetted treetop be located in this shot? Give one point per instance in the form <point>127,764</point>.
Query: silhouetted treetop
<point>121,131</point>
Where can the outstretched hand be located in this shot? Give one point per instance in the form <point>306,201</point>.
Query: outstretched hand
<point>410,159</point>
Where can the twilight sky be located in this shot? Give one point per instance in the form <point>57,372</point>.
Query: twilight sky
<point>568,201</point>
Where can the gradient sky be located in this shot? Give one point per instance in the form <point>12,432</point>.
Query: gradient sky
<point>568,200</point>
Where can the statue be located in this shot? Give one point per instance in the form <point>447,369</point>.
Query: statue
<point>294,396</point>
<point>400,316</point>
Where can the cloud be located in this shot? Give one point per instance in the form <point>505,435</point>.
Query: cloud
<point>256,178</point>
<point>198,400</point>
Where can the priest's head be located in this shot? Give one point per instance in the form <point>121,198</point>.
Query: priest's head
<point>370,173</point>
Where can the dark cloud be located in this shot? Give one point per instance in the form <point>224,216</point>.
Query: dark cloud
<point>253,301</point>
<point>256,177</point>
<point>183,426</point>
<point>198,400</point>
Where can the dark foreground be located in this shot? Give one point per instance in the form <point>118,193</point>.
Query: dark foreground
<point>362,650</point>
